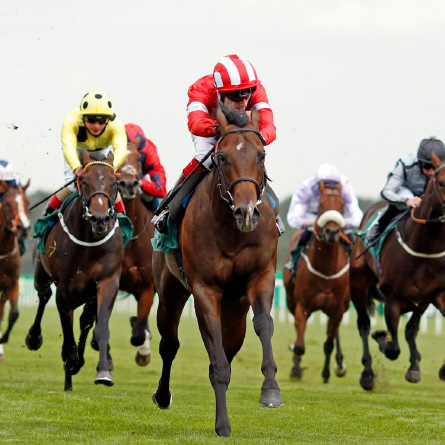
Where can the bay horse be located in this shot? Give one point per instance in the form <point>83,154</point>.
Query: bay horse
<point>320,281</point>
<point>228,244</point>
<point>137,272</point>
<point>14,226</point>
<point>83,257</point>
<point>410,276</point>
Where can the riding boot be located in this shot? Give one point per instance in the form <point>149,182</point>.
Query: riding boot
<point>21,246</point>
<point>280,225</point>
<point>160,219</point>
<point>47,210</point>
<point>376,230</point>
<point>296,251</point>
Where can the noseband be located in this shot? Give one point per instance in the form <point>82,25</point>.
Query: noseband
<point>86,202</point>
<point>216,159</point>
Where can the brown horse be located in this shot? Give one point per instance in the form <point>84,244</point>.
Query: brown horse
<point>228,243</point>
<point>14,226</point>
<point>410,276</point>
<point>83,257</point>
<point>320,281</point>
<point>137,272</point>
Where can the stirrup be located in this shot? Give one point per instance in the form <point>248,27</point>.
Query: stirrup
<point>280,225</point>
<point>160,221</point>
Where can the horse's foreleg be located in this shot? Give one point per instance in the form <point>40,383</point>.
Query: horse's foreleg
<point>34,338</point>
<point>411,330</point>
<point>298,347</point>
<point>86,323</point>
<point>139,323</point>
<point>69,348</point>
<point>340,367</point>
<point>106,295</point>
<point>392,317</point>
<point>261,302</point>
<point>332,333</point>
<point>168,322</point>
<point>12,295</point>
<point>367,378</point>
<point>209,319</point>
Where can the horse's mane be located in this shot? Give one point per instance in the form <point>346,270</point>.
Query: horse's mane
<point>234,116</point>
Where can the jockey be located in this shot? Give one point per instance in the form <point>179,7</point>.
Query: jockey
<point>153,182</point>
<point>234,82</point>
<point>407,183</point>
<point>303,208</point>
<point>93,126</point>
<point>7,174</point>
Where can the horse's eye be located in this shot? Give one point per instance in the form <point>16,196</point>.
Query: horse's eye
<point>261,157</point>
<point>223,159</point>
<point>442,184</point>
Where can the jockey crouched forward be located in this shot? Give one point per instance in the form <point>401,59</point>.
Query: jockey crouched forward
<point>407,183</point>
<point>93,126</point>
<point>235,83</point>
<point>303,208</point>
<point>153,181</point>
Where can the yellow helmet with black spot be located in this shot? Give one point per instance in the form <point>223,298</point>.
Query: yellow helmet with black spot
<point>96,103</point>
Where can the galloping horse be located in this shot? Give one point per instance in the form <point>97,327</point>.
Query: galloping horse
<point>411,275</point>
<point>137,273</point>
<point>321,281</point>
<point>228,243</point>
<point>14,225</point>
<point>83,256</point>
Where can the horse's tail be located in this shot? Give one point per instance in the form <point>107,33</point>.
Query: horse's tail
<point>374,294</point>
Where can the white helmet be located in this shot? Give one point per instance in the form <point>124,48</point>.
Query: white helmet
<point>327,172</point>
<point>7,172</point>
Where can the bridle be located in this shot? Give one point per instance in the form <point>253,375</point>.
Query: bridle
<point>321,233</point>
<point>85,202</point>
<point>441,218</point>
<point>222,183</point>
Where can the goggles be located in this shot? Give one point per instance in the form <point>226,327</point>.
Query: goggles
<point>426,165</point>
<point>240,95</point>
<point>100,119</point>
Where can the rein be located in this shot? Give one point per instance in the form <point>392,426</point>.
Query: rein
<point>216,159</point>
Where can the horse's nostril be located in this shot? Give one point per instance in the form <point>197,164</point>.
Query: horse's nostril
<point>94,219</point>
<point>135,183</point>
<point>107,220</point>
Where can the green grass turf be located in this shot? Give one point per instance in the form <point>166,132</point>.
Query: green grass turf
<point>35,409</point>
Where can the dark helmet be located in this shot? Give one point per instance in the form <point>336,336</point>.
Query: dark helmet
<point>428,146</point>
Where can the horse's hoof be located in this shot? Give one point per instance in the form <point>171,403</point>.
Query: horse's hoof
<point>142,360</point>
<point>391,353</point>
<point>33,343</point>
<point>271,398</point>
<point>380,338</point>
<point>223,432</point>
<point>412,376</point>
<point>367,381</point>
<point>160,404</point>
<point>340,371</point>
<point>442,373</point>
<point>296,373</point>
<point>325,376</point>
<point>104,378</point>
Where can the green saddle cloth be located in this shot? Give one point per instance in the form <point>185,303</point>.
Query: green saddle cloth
<point>43,225</point>
<point>166,242</point>
<point>377,247</point>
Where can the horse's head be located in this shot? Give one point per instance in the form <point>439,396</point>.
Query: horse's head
<point>130,171</point>
<point>330,219</point>
<point>15,207</point>
<point>98,191</point>
<point>239,159</point>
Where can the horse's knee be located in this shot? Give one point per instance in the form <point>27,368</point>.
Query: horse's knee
<point>262,322</point>
<point>219,375</point>
<point>13,315</point>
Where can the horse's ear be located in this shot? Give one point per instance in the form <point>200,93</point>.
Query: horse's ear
<point>321,186</point>
<point>25,187</point>
<point>222,121</point>
<point>436,161</point>
<point>137,141</point>
<point>255,118</point>
<point>86,158</point>
<point>3,186</point>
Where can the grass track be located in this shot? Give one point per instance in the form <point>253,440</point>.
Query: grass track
<point>35,409</point>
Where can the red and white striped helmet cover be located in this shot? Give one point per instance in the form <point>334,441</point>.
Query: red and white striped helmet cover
<point>233,73</point>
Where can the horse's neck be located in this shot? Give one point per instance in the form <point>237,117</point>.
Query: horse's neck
<point>324,256</point>
<point>135,210</point>
<point>7,238</point>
